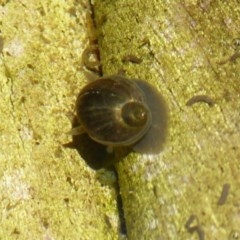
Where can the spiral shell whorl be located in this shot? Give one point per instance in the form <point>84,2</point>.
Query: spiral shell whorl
<point>112,110</point>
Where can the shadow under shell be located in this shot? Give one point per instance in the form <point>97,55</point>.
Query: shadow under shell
<point>95,154</point>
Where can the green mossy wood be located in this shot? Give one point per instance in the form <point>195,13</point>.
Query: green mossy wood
<point>46,190</point>
<point>186,50</point>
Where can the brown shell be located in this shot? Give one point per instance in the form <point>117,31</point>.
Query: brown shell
<point>113,111</point>
<point>116,111</point>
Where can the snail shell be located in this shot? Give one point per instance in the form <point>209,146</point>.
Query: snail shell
<point>114,111</point>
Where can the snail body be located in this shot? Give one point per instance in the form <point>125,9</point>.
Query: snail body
<point>114,111</point>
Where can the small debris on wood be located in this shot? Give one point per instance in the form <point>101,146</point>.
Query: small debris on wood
<point>224,194</point>
<point>235,55</point>
<point>131,58</point>
<point>234,235</point>
<point>201,98</point>
<point>191,222</point>
<point>236,43</point>
<point>90,58</point>
<point>193,226</point>
<point>232,58</point>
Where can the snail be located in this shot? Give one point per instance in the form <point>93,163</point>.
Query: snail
<point>116,111</point>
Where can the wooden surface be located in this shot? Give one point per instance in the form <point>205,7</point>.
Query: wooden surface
<point>185,49</point>
<point>47,190</point>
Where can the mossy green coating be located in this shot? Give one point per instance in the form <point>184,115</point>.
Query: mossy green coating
<point>47,191</point>
<point>181,44</point>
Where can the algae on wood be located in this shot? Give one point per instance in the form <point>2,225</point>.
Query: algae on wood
<point>181,44</point>
<point>47,191</point>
